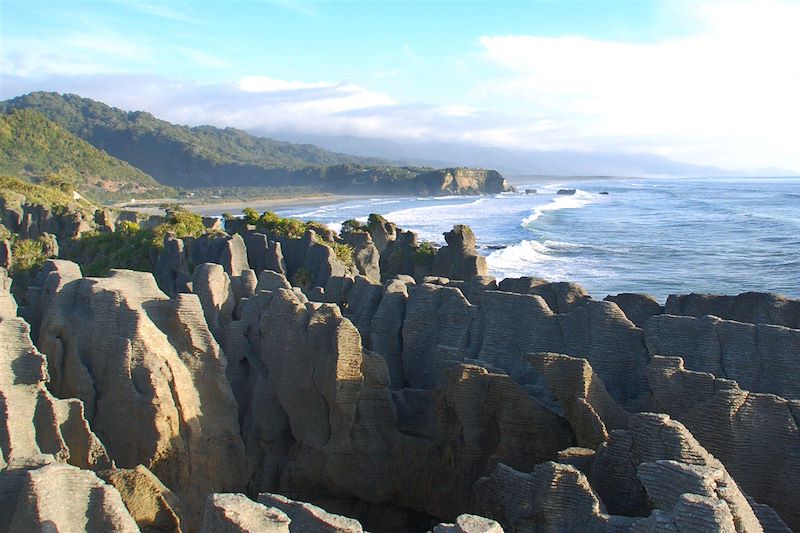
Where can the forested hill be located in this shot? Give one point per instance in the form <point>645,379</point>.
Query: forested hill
<point>205,156</point>
<point>180,155</point>
<point>33,147</point>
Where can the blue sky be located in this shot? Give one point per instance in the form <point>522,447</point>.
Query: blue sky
<point>704,82</point>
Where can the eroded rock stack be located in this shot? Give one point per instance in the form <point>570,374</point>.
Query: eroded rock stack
<point>252,398</point>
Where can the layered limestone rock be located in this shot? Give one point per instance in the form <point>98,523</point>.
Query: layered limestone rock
<point>309,518</point>
<point>365,255</point>
<point>656,471</point>
<point>264,254</point>
<point>750,307</point>
<point>66,499</point>
<point>382,231</point>
<point>463,181</point>
<point>227,250</point>
<point>760,357</point>
<point>596,331</point>
<point>582,397</point>
<point>435,317</point>
<point>656,461</point>
<point>400,256</point>
<point>172,269</point>
<point>560,296</point>
<point>386,328</point>
<point>152,378</point>
<point>467,523</point>
<point>755,435</point>
<point>321,418</point>
<point>459,259</point>
<point>36,426</point>
<point>236,513</point>
<point>637,307</point>
<point>151,504</point>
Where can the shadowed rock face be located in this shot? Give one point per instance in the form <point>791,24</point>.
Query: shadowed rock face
<point>655,471</point>
<point>152,505</point>
<point>37,430</point>
<point>761,358</point>
<point>152,378</point>
<point>37,427</point>
<point>755,435</point>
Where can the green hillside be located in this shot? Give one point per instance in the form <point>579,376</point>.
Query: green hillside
<point>208,157</point>
<point>182,156</point>
<point>33,147</point>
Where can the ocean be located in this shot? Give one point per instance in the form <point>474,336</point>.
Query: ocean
<point>654,236</point>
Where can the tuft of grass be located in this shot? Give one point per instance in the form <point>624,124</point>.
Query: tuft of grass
<point>26,255</point>
<point>344,253</point>
<point>424,254</point>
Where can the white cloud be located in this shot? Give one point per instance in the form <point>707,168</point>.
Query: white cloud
<point>263,84</point>
<point>724,94</point>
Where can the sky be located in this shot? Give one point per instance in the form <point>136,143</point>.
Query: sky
<point>712,83</point>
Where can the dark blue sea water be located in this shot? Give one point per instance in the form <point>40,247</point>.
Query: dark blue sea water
<point>656,236</point>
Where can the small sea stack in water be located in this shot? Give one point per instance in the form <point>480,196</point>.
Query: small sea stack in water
<point>566,191</point>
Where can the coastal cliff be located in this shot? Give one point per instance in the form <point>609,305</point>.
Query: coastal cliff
<point>277,385</point>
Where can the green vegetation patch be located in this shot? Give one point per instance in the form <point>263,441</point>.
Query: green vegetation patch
<point>18,191</point>
<point>424,254</point>
<point>130,246</point>
<point>344,253</point>
<point>27,254</point>
<point>285,227</point>
<point>353,226</point>
<point>31,146</point>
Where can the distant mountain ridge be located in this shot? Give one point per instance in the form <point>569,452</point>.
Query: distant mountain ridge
<point>206,156</point>
<point>33,147</point>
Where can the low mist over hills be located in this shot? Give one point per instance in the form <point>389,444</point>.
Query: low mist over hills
<point>519,162</point>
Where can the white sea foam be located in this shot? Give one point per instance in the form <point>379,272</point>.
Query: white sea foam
<point>519,259</point>
<point>561,201</point>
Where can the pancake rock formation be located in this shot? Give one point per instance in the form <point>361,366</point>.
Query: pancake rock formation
<point>267,383</point>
